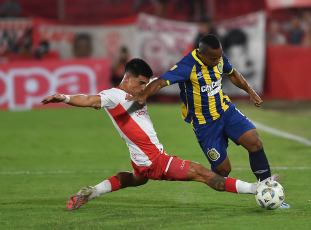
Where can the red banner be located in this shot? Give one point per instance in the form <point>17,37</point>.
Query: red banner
<point>288,70</point>
<point>24,84</point>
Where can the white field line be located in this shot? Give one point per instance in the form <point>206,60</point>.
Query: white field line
<point>282,134</point>
<point>54,172</point>
<point>110,171</point>
<point>278,168</point>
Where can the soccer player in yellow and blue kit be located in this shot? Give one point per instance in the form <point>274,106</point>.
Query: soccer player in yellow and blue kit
<point>213,116</point>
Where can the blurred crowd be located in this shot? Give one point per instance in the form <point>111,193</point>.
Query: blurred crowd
<point>294,31</point>
<point>197,8</point>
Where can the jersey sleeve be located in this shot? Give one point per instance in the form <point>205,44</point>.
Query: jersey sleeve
<point>177,74</point>
<point>228,69</point>
<point>109,99</point>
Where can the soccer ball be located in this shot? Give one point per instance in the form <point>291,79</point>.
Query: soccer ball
<point>270,195</point>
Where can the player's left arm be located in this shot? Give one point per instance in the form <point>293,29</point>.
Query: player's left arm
<point>79,100</point>
<point>239,81</point>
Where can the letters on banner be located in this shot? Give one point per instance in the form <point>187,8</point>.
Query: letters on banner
<point>24,85</point>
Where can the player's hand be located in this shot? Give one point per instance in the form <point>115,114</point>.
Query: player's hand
<point>256,100</point>
<point>55,98</point>
<point>139,98</point>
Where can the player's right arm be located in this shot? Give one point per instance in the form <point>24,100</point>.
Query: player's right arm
<point>151,89</point>
<point>79,100</point>
<point>174,75</point>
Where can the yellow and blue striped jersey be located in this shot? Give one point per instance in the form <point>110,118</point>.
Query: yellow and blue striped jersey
<point>200,88</point>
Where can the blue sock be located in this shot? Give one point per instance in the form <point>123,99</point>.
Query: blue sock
<point>259,164</point>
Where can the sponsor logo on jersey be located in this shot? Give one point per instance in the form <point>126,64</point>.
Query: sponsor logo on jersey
<point>213,154</point>
<point>142,112</point>
<point>212,89</point>
<point>134,155</point>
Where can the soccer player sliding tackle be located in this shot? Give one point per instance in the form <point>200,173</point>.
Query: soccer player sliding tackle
<point>149,160</point>
<point>213,117</point>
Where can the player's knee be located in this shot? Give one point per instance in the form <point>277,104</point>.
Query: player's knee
<point>125,179</point>
<point>142,181</point>
<point>224,168</point>
<point>251,141</point>
<point>223,171</point>
<point>257,145</point>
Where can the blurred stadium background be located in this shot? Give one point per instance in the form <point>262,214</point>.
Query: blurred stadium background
<point>80,46</point>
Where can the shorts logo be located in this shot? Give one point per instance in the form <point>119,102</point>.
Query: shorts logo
<point>213,154</point>
<point>182,165</point>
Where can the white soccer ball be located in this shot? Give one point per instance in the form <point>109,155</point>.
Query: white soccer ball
<point>270,195</point>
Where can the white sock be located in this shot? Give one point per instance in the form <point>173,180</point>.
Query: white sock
<point>101,188</point>
<point>245,187</point>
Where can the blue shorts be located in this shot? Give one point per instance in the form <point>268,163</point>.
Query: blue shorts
<point>213,136</point>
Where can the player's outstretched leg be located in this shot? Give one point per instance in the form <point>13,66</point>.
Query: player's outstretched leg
<point>196,172</point>
<point>87,193</point>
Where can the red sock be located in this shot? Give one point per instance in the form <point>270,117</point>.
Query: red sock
<point>230,184</point>
<point>115,184</point>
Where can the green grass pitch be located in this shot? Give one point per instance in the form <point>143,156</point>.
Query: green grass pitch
<point>47,155</point>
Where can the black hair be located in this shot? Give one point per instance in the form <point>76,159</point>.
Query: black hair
<point>137,66</point>
<point>209,41</point>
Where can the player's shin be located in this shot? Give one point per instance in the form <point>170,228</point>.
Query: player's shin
<point>238,186</point>
<point>109,185</point>
<point>259,164</point>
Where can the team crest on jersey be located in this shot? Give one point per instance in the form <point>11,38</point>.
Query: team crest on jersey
<point>213,154</point>
<point>220,67</point>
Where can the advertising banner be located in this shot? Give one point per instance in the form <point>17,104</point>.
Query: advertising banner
<point>24,84</point>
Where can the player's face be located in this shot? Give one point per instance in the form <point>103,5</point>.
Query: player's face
<point>136,85</point>
<point>211,57</point>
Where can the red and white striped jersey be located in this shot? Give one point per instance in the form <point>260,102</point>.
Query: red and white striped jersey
<point>134,125</point>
